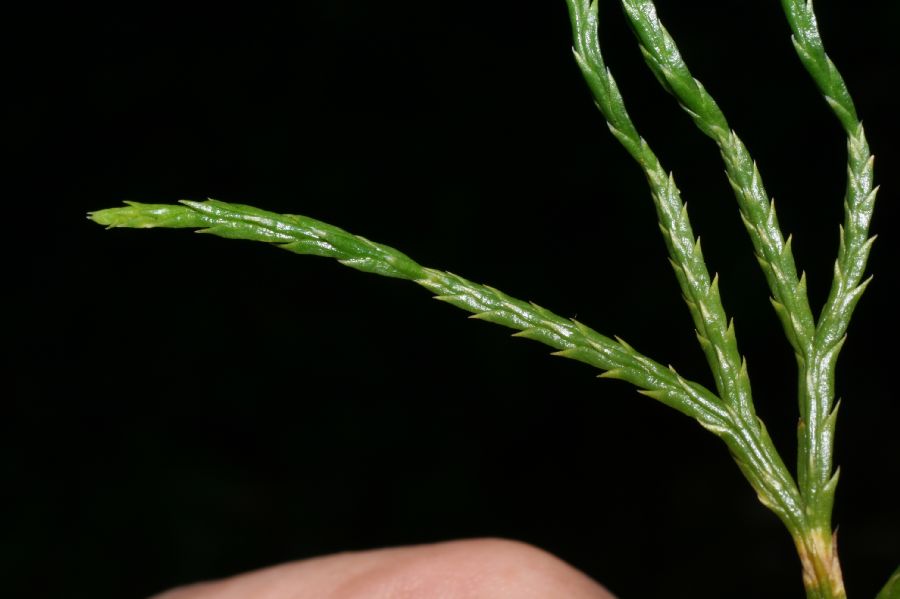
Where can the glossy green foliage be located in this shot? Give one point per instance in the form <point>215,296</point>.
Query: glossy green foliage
<point>714,329</point>
<point>816,346</point>
<point>818,415</point>
<point>757,211</point>
<point>804,505</point>
<point>751,447</point>
<point>304,235</point>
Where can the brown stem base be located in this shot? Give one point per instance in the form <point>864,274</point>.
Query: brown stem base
<point>821,566</point>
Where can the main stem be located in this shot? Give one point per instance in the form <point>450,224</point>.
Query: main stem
<point>817,547</point>
<point>816,344</point>
<point>816,479</point>
<point>822,575</point>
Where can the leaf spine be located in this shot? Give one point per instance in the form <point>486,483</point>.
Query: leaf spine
<point>657,394</point>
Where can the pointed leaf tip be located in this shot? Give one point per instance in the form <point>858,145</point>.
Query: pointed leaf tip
<point>657,394</point>
<point>613,373</point>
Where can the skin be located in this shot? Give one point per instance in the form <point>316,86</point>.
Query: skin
<point>470,569</point>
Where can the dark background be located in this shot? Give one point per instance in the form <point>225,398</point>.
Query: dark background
<point>186,407</point>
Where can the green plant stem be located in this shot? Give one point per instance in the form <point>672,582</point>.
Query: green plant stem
<point>757,211</point>
<point>816,433</point>
<point>303,235</point>
<point>816,345</point>
<point>816,430</point>
<point>751,448</point>
<point>718,340</point>
<point>804,506</point>
<point>714,330</point>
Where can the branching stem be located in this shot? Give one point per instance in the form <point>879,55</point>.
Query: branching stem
<point>804,505</point>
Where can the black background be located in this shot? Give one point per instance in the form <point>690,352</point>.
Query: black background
<point>186,407</point>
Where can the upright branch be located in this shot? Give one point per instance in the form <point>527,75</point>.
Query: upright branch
<point>817,425</point>
<point>816,475</point>
<point>816,344</point>
<point>715,332</point>
<point>757,211</point>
